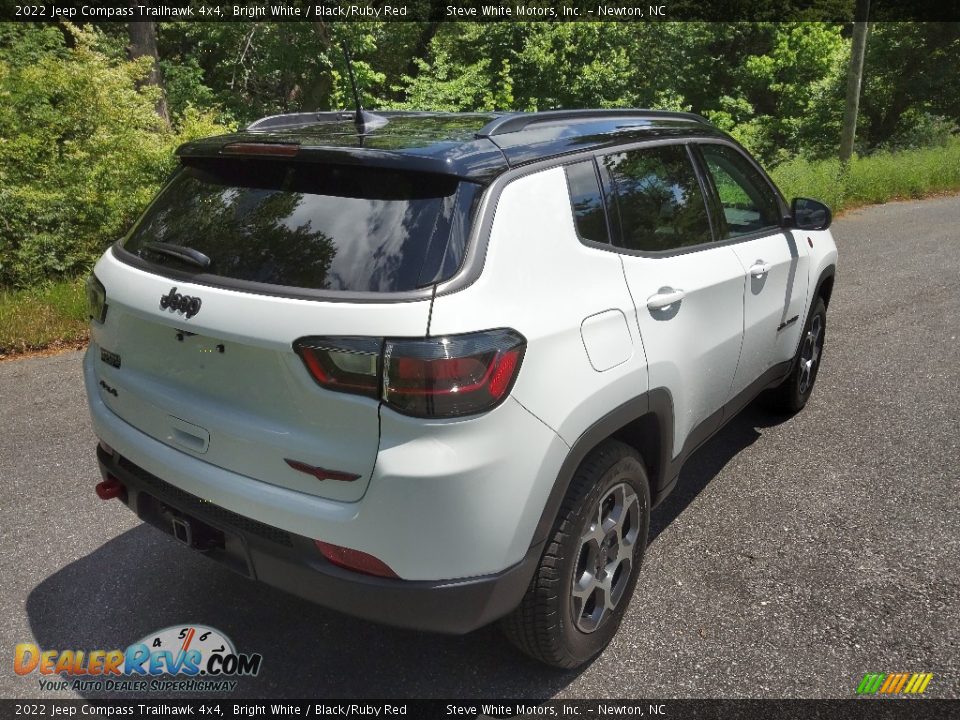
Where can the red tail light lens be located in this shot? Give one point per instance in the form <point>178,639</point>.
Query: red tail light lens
<point>451,376</point>
<point>437,377</point>
<point>343,364</point>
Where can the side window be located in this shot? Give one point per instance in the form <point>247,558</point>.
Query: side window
<point>587,202</point>
<point>661,206</point>
<point>746,199</point>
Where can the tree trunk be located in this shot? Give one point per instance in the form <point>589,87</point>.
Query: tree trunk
<point>854,79</point>
<point>143,42</point>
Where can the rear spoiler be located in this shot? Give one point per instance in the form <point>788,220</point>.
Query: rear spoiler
<point>478,161</point>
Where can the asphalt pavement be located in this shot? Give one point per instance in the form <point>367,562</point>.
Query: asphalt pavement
<point>796,555</point>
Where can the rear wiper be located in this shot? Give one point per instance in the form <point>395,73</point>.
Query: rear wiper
<point>178,252</point>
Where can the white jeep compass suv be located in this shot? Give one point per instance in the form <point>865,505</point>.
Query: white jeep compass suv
<point>434,370</point>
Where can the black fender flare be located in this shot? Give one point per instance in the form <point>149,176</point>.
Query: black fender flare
<point>657,403</point>
<point>829,272</point>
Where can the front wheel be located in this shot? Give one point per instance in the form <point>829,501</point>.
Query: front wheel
<point>589,567</point>
<point>792,394</point>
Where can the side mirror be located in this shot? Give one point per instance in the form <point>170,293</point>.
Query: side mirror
<point>810,214</point>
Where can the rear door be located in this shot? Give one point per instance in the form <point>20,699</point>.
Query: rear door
<point>688,292</point>
<point>231,265</point>
<point>775,266</point>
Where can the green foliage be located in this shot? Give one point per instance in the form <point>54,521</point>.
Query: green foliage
<point>52,313</point>
<point>252,69</point>
<point>911,70</point>
<point>444,85</point>
<point>874,178</point>
<point>920,129</point>
<point>184,88</point>
<point>82,150</point>
<point>539,66</point>
<point>778,87</point>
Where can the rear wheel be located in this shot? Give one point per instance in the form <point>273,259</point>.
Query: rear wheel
<point>792,394</point>
<point>589,568</point>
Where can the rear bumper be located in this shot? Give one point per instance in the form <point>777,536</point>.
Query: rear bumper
<point>292,563</point>
<point>447,499</point>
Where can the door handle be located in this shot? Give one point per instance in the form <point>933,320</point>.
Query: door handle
<point>664,298</point>
<point>759,268</point>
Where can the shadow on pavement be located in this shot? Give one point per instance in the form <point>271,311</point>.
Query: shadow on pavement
<point>143,581</point>
<point>707,462</point>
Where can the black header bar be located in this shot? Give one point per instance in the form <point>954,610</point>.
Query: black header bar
<point>576,709</point>
<point>78,11</point>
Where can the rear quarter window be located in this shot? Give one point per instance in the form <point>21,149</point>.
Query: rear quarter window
<point>323,227</point>
<point>587,202</point>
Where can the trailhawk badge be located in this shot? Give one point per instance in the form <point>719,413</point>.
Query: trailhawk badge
<point>186,304</point>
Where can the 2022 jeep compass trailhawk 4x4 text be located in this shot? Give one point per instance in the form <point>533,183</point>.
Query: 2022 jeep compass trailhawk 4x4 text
<point>435,370</point>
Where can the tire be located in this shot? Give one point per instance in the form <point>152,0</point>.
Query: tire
<point>792,394</point>
<point>550,624</point>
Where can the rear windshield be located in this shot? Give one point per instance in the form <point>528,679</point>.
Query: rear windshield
<point>312,226</point>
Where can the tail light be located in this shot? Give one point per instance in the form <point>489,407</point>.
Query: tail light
<point>343,364</point>
<point>447,376</point>
<point>96,299</point>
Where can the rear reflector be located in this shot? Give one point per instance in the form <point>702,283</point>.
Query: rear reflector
<point>321,473</point>
<point>355,560</point>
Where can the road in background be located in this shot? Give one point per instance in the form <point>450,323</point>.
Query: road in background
<point>796,555</point>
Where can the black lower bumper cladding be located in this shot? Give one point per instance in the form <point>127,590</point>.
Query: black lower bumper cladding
<point>292,563</point>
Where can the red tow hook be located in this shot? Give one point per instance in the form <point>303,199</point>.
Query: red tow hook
<point>110,488</point>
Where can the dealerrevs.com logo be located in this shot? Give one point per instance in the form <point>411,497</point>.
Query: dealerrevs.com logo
<point>180,658</point>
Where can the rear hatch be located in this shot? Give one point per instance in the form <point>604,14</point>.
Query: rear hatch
<point>234,261</point>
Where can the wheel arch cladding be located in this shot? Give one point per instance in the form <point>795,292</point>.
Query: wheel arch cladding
<point>825,284</point>
<point>644,423</point>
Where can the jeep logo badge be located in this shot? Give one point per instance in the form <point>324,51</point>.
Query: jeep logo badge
<point>185,304</point>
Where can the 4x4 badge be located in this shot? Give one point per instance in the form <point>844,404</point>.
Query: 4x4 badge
<point>186,304</point>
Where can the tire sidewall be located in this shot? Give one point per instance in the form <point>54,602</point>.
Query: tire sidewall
<point>583,646</point>
<point>801,398</point>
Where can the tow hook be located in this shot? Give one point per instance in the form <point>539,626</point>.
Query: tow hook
<point>110,488</point>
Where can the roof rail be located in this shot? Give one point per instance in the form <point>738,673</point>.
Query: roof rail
<point>298,119</point>
<point>515,122</point>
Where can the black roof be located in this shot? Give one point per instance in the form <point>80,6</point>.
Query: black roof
<point>474,146</point>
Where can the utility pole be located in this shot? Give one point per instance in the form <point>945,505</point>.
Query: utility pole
<point>854,80</point>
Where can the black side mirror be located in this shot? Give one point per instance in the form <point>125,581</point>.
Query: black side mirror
<point>810,214</point>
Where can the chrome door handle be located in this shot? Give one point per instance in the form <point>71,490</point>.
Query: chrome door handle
<point>759,268</point>
<point>664,298</point>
